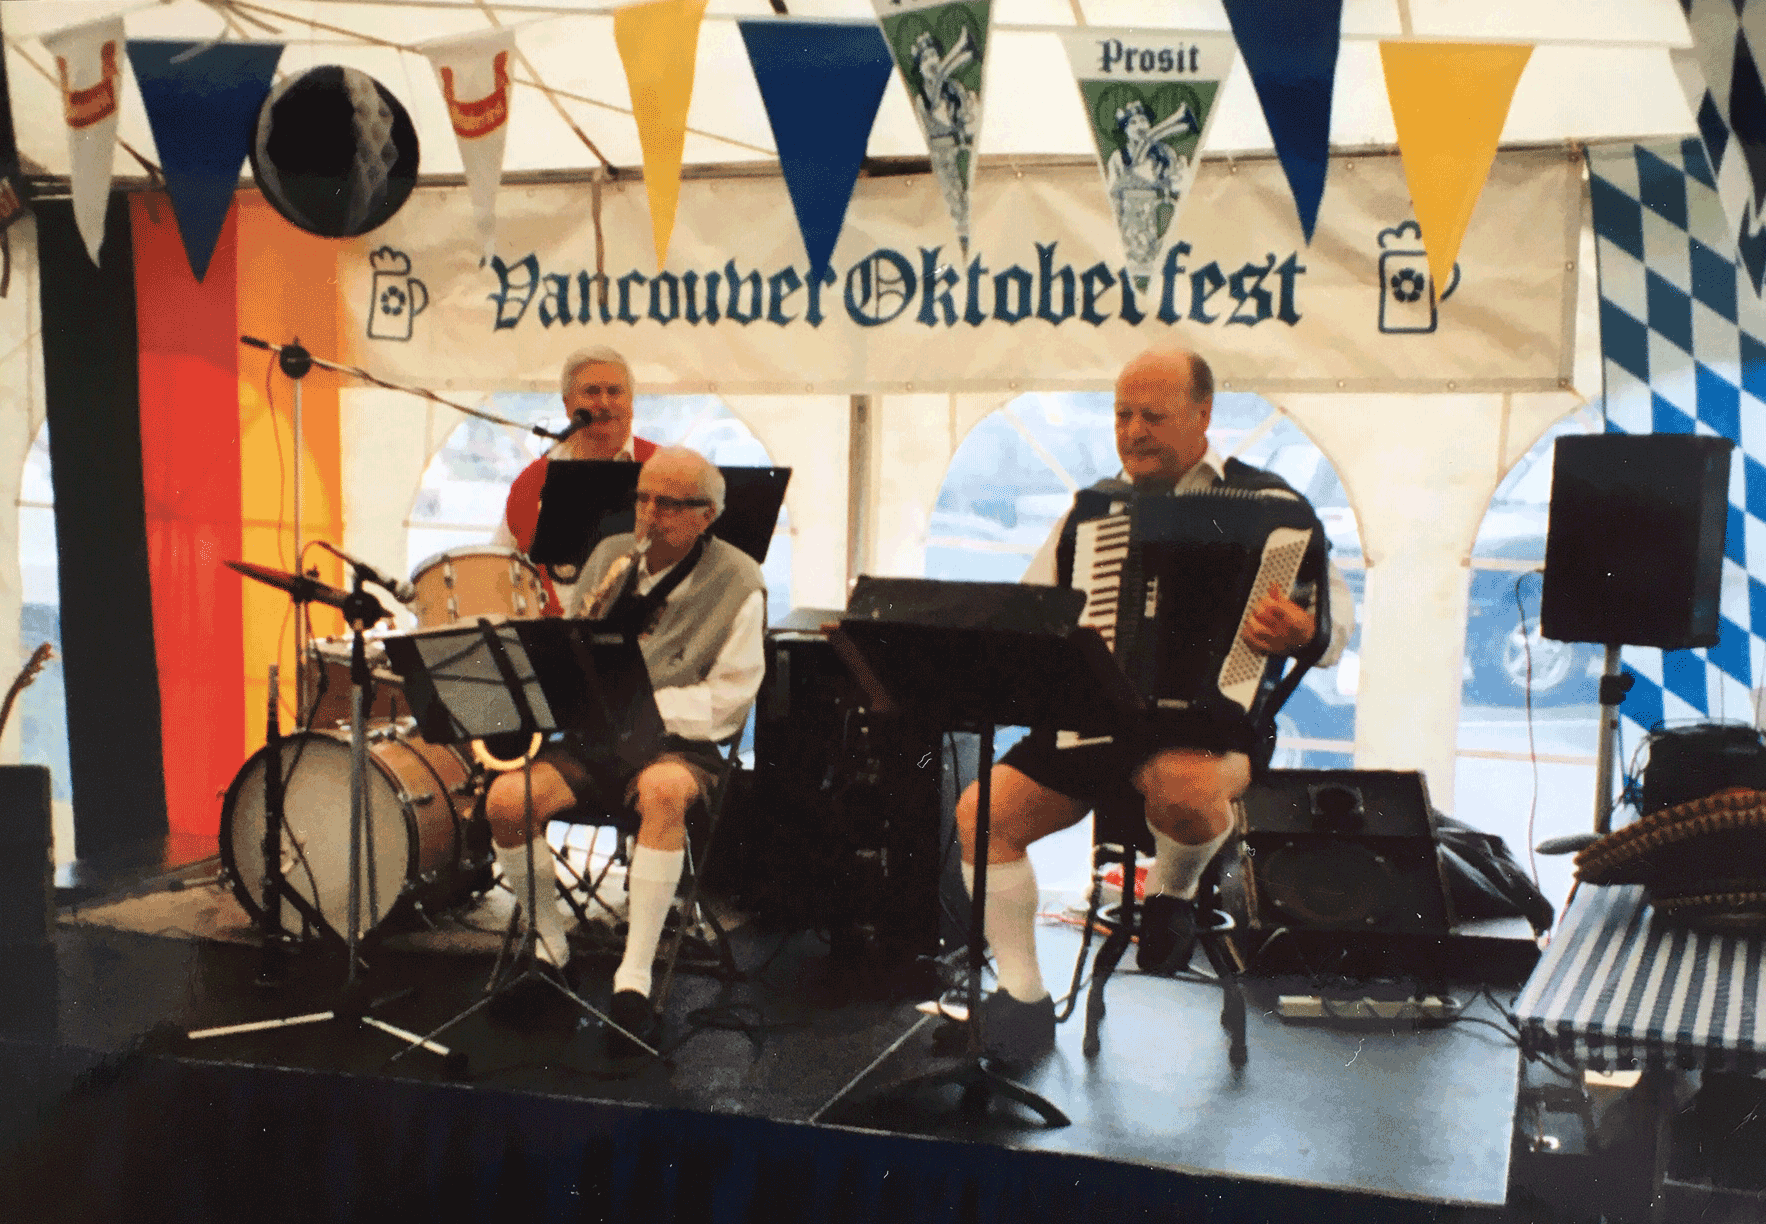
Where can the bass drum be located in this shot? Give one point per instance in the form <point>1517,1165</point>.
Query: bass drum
<point>417,804</point>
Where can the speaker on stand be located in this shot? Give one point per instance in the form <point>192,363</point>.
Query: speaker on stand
<point>1633,556</point>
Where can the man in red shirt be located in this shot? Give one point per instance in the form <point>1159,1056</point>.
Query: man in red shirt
<point>597,389</point>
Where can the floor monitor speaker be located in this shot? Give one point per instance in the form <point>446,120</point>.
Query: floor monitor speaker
<point>1634,546</point>
<point>1339,874</point>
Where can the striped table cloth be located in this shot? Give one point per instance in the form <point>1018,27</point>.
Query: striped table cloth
<point>1622,987</point>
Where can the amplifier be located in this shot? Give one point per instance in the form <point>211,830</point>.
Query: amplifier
<point>845,823</point>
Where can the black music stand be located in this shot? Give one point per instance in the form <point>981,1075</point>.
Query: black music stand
<point>973,656</point>
<point>586,500</point>
<point>524,679</point>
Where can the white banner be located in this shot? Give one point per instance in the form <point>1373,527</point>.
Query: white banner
<point>1043,301</point>
<point>89,71</point>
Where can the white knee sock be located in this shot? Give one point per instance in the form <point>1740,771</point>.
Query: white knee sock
<point>1177,867</point>
<point>1010,926</point>
<point>547,921</point>
<point>650,889</point>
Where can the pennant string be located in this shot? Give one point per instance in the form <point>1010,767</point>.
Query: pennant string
<point>155,179</point>
<point>539,82</point>
<point>550,91</point>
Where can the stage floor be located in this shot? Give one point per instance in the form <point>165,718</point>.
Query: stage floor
<point>1397,1113</point>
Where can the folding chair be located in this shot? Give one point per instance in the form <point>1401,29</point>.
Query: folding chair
<point>690,914</point>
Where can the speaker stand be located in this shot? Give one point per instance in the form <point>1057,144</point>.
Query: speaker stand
<point>1614,684</point>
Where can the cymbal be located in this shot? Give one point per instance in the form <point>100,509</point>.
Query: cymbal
<point>297,586</point>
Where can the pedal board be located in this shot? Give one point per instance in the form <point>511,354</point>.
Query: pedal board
<point>1430,1009</point>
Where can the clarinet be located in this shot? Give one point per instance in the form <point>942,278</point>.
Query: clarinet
<point>599,602</point>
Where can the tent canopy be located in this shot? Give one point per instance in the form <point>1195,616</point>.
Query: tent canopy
<point>1600,71</point>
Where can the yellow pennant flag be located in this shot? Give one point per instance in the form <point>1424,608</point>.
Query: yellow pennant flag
<point>1450,101</point>
<point>658,43</point>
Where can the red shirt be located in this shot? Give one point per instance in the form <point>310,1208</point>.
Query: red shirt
<point>522,511</point>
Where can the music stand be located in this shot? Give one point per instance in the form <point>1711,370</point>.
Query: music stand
<point>526,678</point>
<point>586,500</point>
<point>973,656</point>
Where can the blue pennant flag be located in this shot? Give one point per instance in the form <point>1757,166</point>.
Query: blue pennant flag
<point>822,84</point>
<point>1290,48</point>
<point>202,101</point>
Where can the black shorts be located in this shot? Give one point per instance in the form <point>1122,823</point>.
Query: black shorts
<point>1094,773</point>
<point>599,779</point>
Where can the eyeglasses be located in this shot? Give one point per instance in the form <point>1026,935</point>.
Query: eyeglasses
<point>670,505</point>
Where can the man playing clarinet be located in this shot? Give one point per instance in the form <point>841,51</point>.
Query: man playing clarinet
<point>698,606</point>
<point>1164,399</point>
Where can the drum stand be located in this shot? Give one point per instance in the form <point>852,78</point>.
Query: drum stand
<point>360,609</point>
<point>518,959</point>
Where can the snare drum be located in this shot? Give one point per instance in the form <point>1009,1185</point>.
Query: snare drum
<point>481,580</point>
<point>329,687</point>
<point>416,804</point>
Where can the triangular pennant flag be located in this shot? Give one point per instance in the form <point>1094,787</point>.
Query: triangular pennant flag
<point>1722,79</point>
<point>202,101</point>
<point>659,45</point>
<point>1449,101</point>
<point>474,76</point>
<point>89,69</point>
<point>1290,50</point>
<point>822,83</point>
<point>1149,98</point>
<point>941,48</point>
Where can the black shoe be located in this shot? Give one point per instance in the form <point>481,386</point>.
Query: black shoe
<point>1167,935</point>
<point>632,1012</point>
<point>1015,1033</point>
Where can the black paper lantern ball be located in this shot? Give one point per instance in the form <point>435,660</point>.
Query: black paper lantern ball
<point>335,152</point>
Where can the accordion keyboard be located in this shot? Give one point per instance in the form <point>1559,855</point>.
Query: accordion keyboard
<point>1242,670</point>
<point>1099,550</point>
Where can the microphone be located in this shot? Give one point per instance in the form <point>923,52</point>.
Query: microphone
<point>401,590</point>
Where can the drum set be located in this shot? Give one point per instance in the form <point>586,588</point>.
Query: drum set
<point>430,843</point>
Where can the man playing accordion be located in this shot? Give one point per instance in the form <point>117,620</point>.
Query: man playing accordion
<point>1164,399</point>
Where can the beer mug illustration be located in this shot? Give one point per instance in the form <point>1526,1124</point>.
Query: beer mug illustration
<point>397,298</point>
<point>1407,303</point>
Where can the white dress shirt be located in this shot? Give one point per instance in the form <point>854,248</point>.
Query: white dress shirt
<point>1209,471</point>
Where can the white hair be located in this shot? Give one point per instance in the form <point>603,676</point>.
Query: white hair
<point>598,354</point>
<point>711,481</point>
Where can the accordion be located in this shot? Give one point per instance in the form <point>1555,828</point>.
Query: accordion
<point>1170,582</point>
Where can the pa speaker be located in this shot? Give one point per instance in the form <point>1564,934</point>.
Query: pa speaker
<point>1339,874</point>
<point>1634,548</point>
<point>27,858</point>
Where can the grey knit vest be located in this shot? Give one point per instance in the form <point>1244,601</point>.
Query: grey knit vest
<point>696,620</point>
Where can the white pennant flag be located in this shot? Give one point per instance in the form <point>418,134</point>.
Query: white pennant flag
<point>89,66</point>
<point>1149,99</point>
<point>474,75</point>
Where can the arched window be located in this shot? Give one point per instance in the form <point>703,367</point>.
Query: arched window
<point>1525,774</point>
<point>42,708</point>
<point>466,483</point>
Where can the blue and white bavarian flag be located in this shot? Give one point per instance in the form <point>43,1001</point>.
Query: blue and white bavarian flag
<point>1723,85</point>
<point>1683,349</point>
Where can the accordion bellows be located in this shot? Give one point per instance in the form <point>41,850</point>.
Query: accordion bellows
<point>1702,861</point>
